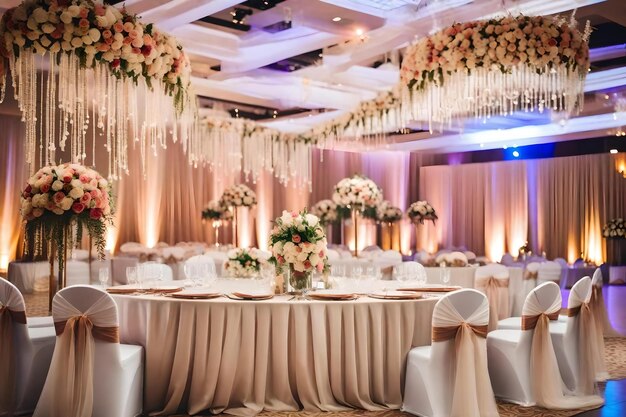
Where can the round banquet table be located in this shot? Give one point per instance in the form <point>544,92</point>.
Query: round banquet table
<point>241,357</point>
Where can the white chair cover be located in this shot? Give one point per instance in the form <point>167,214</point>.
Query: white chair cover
<point>68,390</point>
<point>507,259</point>
<point>391,255</point>
<point>493,280</point>
<point>471,256</point>
<point>333,255</point>
<point>600,317</point>
<point>472,395</point>
<point>549,271</point>
<point>546,382</point>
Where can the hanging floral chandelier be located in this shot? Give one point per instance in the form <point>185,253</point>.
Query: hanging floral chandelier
<point>495,67</point>
<point>105,71</point>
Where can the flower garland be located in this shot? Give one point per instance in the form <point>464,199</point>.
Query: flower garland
<point>59,196</point>
<point>244,263</point>
<point>499,65</point>
<point>239,195</point>
<point>420,211</point>
<point>100,60</point>
<point>326,211</point>
<point>357,192</point>
<point>387,213</point>
<point>298,239</point>
<point>614,229</point>
<point>214,210</point>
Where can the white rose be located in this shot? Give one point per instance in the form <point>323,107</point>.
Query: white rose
<point>57,185</point>
<point>40,15</point>
<point>76,193</point>
<point>311,220</point>
<point>66,204</point>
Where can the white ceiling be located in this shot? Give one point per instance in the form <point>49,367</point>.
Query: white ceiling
<point>369,31</point>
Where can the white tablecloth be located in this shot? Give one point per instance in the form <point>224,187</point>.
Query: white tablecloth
<point>28,276</point>
<point>245,356</point>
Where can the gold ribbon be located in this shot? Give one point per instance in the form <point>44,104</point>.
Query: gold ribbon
<point>443,333</point>
<point>574,311</point>
<point>8,318</point>
<point>106,334</point>
<point>531,274</point>
<point>530,322</point>
<point>492,282</point>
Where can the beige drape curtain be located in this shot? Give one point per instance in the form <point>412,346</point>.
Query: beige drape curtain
<point>559,205</point>
<point>13,178</point>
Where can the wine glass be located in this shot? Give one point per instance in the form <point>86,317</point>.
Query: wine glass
<point>103,276</point>
<point>444,273</point>
<point>338,271</point>
<point>131,275</point>
<point>208,274</point>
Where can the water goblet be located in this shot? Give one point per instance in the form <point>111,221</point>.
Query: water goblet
<point>103,276</point>
<point>131,275</point>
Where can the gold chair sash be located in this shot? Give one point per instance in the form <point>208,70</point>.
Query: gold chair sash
<point>443,333</point>
<point>531,274</point>
<point>8,318</point>
<point>105,334</point>
<point>492,286</point>
<point>530,322</point>
<point>492,281</point>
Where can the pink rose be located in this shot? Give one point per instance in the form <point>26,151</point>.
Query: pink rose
<point>58,197</point>
<point>320,267</point>
<point>280,259</point>
<point>321,254</point>
<point>106,34</point>
<point>95,193</point>
<point>78,207</point>
<point>147,40</point>
<point>45,188</point>
<point>118,27</point>
<point>296,239</point>
<point>67,179</point>
<point>86,198</point>
<point>83,13</point>
<point>95,213</point>
<point>99,203</point>
<point>307,264</point>
<point>84,23</point>
<point>100,10</point>
<point>84,179</point>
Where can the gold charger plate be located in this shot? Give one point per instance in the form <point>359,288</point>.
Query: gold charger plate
<point>396,295</point>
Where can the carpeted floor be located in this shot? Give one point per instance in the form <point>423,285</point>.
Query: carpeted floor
<point>37,305</point>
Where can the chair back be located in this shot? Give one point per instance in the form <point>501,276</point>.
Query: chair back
<point>415,270</point>
<point>459,351</point>
<point>580,293</point>
<point>157,271</point>
<point>391,255</point>
<point>470,256</point>
<point>86,323</point>
<point>597,279</point>
<point>493,280</point>
<point>549,271</point>
<point>507,259</point>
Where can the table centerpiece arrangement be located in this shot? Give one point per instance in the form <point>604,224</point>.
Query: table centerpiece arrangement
<point>299,247</point>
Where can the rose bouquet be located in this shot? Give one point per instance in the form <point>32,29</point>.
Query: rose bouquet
<point>59,196</point>
<point>614,229</point>
<point>298,244</point>
<point>420,211</point>
<point>237,196</point>
<point>387,213</point>
<point>216,211</point>
<point>326,211</point>
<point>357,192</point>
<point>244,263</point>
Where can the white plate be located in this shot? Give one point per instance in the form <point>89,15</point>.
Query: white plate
<point>396,295</point>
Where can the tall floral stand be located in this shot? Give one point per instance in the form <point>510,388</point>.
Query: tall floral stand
<point>56,283</point>
<point>216,224</point>
<point>355,223</point>
<point>390,236</point>
<point>235,227</point>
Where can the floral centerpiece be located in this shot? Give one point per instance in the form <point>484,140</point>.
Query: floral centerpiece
<point>523,59</point>
<point>326,211</point>
<point>239,195</point>
<point>58,197</point>
<point>357,192</point>
<point>387,213</point>
<point>216,211</point>
<point>614,229</point>
<point>420,211</point>
<point>244,263</point>
<point>298,245</point>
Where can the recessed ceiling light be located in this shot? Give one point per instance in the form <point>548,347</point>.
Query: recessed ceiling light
<point>359,32</point>
<point>613,151</point>
<point>336,19</point>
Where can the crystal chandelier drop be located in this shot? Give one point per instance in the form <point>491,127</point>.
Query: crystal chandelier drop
<point>494,68</point>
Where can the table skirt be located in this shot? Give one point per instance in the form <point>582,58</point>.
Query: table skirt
<point>241,357</point>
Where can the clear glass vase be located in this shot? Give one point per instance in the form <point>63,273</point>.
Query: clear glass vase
<point>298,283</point>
